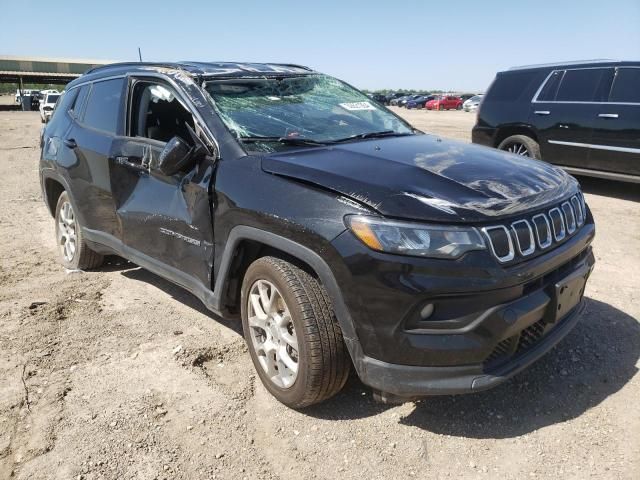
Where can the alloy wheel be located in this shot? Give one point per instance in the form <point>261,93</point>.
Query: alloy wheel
<point>273,336</point>
<point>518,149</point>
<point>67,237</point>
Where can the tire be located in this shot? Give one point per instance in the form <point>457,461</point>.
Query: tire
<point>68,231</point>
<point>321,359</point>
<point>521,145</point>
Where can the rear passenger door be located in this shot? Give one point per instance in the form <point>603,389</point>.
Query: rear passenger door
<point>616,135</point>
<point>97,116</point>
<point>565,112</point>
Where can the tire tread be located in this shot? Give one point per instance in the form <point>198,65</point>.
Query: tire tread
<point>328,360</point>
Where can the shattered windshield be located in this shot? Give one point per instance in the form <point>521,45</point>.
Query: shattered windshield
<point>269,114</point>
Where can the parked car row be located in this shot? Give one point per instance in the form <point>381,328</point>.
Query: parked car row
<point>427,100</point>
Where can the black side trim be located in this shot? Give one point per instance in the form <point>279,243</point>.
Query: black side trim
<point>189,282</point>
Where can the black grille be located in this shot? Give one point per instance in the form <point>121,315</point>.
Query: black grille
<point>557,223</point>
<point>543,230</point>
<point>523,341</point>
<point>502,351</point>
<point>500,241</point>
<point>524,236</point>
<point>569,216</point>
<point>530,336</point>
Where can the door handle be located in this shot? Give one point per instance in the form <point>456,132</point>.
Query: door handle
<point>126,162</point>
<point>542,112</point>
<point>608,115</point>
<point>70,142</point>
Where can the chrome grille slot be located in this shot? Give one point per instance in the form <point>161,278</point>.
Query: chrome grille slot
<point>569,217</point>
<point>577,208</point>
<point>500,242</point>
<point>583,206</point>
<point>558,224</point>
<point>543,230</point>
<point>524,237</point>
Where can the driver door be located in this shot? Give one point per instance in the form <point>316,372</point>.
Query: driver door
<point>165,220</point>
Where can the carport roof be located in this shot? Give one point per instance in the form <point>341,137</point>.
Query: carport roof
<point>44,70</point>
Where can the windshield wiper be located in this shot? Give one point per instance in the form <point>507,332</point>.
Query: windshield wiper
<point>384,133</point>
<point>283,140</point>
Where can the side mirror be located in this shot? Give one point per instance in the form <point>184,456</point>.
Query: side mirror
<point>177,155</point>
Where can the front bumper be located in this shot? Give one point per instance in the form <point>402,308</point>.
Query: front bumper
<point>487,325</point>
<point>411,381</point>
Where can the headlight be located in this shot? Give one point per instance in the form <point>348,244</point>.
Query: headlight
<point>434,241</point>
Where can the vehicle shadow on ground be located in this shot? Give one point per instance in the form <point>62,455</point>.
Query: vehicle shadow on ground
<point>594,361</point>
<point>133,272</point>
<point>610,188</point>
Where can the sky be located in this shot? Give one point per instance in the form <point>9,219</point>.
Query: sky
<point>454,45</point>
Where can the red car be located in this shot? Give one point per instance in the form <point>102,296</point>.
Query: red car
<point>445,102</point>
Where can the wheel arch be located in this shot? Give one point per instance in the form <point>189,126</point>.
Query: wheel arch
<point>52,189</point>
<point>507,131</point>
<point>246,244</point>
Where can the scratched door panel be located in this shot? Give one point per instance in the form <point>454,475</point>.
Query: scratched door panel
<point>166,218</point>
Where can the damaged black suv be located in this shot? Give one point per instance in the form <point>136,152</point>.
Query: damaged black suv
<point>339,234</point>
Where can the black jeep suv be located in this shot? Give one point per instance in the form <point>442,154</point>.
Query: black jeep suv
<point>582,116</point>
<point>341,235</point>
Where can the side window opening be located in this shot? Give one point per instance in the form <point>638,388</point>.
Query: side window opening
<point>157,114</point>
<point>550,89</point>
<point>582,85</point>
<point>78,100</point>
<point>626,86</point>
<point>511,86</point>
<point>103,105</point>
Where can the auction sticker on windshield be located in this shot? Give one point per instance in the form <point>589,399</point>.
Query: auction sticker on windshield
<point>355,106</point>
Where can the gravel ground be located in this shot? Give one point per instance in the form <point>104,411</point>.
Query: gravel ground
<point>118,374</point>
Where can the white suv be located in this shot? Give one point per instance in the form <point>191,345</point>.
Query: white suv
<point>47,105</point>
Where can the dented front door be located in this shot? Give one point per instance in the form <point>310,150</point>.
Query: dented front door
<point>165,218</point>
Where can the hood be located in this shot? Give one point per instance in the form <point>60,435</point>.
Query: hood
<point>424,177</point>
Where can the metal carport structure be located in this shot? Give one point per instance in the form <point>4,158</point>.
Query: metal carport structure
<point>61,71</point>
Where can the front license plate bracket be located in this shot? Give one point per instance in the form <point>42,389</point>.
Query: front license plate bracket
<point>569,292</point>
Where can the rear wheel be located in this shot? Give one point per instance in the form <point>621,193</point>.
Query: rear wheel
<point>521,145</point>
<point>293,336</point>
<point>74,252</point>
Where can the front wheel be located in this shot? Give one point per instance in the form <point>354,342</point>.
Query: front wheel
<point>293,336</point>
<point>521,145</point>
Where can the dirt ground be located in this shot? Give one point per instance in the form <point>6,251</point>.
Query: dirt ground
<point>118,374</point>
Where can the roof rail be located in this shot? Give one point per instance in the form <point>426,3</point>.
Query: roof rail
<point>304,67</point>
<point>127,64</point>
<point>554,64</point>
